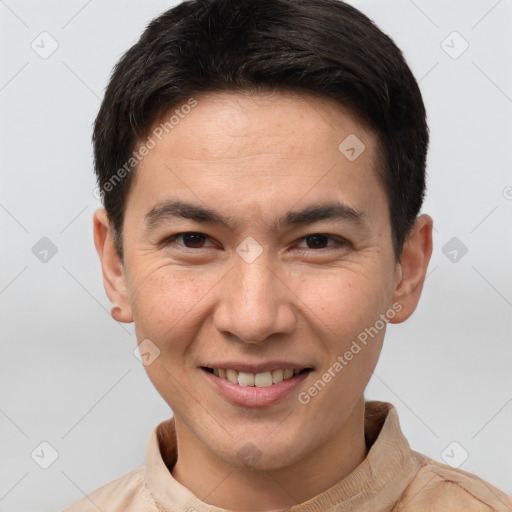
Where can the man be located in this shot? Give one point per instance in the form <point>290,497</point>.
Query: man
<point>262,167</point>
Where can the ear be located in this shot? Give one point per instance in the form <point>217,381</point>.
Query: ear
<point>114,277</point>
<point>413,268</point>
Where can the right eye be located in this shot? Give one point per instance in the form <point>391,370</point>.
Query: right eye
<point>191,240</point>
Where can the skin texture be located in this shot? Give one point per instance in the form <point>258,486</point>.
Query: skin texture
<point>253,157</point>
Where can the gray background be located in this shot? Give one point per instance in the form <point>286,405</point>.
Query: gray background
<point>68,373</point>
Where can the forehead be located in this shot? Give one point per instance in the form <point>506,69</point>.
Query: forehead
<point>256,152</point>
<point>285,121</point>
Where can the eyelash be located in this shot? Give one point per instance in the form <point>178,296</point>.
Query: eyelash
<point>340,242</point>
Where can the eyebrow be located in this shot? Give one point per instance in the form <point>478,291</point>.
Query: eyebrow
<point>332,211</point>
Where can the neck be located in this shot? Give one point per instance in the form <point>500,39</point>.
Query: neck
<point>218,484</point>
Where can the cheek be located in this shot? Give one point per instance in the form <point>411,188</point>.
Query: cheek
<point>165,302</point>
<point>343,307</point>
<point>344,301</point>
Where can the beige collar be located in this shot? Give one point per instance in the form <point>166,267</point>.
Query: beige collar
<point>378,482</point>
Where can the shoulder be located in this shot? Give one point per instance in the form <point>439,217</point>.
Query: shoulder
<point>124,494</point>
<point>437,486</point>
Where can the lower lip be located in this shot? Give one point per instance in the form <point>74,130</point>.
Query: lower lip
<point>252,396</point>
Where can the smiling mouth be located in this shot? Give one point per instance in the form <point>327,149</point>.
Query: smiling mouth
<point>261,380</point>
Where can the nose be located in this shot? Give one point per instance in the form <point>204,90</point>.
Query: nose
<point>256,303</point>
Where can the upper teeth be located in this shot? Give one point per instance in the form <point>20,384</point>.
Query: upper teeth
<point>260,380</point>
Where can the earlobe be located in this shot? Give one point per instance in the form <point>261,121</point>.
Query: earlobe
<point>114,277</point>
<point>412,269</point>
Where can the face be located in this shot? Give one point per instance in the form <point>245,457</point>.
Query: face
<point>279,257</point>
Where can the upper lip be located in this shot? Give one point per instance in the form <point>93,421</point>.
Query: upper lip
<point>259,367</point>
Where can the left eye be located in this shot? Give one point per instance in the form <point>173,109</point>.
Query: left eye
<point>319,241</point>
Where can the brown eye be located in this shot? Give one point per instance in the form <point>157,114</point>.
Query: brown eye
<point>317,241</point>
<point>193,240</point>
<point>320,241</point>
<point>190,240</point>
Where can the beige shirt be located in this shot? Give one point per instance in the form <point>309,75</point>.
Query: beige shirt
<point>392,478</point>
